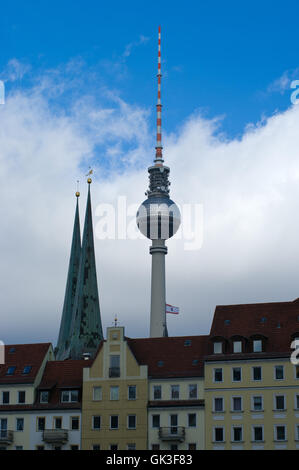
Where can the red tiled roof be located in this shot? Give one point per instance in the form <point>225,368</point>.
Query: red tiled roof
<point>180,356</point>
<point>63,374</point>
<point>21,355</point>
<point>276,321</point>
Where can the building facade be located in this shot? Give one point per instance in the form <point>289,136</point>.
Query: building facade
<point>251,385</point>
<point>115,396</point>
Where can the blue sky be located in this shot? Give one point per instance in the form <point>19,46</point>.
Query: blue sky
<point>218,57</point>
<point>81,90</point>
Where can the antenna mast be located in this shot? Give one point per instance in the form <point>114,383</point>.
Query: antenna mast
<point>159,159</point>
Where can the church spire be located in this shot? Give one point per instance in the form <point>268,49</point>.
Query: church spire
<point>66,319</point>
<point>86,329</point>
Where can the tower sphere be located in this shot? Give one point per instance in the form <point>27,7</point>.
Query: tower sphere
<point>158,217</point>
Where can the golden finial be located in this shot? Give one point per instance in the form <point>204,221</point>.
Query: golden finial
<point>89,180</point>
<point>115,320</point>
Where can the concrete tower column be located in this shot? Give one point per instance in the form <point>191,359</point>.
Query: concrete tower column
<point>158,250</point>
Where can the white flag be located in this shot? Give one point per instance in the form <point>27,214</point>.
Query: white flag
<point>172,309</point>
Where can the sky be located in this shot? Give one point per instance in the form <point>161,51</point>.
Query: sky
<point>80,92</point>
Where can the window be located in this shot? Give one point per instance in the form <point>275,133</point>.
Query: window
<point>96,447</point>
<point>114,370</point>
<point>279,372</point>
<point>257,373</point>
<point>41,423</point>
<point>70,396</point>
<point>258,433</point>
<point>20,424</point>
<point>40,447</point>
<point>257,345</point>
<point>157,392</point>
<point>114,422</point>
<point>155,421</point>
<point>27,370</point>
<point>217,348</point>
<point>132,392</point>
<point>114,393</point>
<point>192,446</point>
<point>257,403</point>
<point>173,424</point>
<point>237,346</point>
<point>218,375</point>
<point>75,423</point>
<point>5,398</point>
<point>296,372</point>
<point>97,393</point>
<point>187,342</point>
<point>155,446</point>
<point>58,423</point>
<point>11,370</point>
<point>296,402</point>
<point>173,447</point>
<point>192,390</point>
<point>236,403</point>
<point>96,422</point>
<point>280,433</point>
<point>192,420</point>
<point>131,446</point>
<point>297,432</point>
<point>237,433</point>
<point>280,402</point>
<point>237,374</point>
<point>218,404</point>
<point>21,396</point>
<point>175,392</point>
<point>44,396</point>
<point>113,447</point>
<point>74,447</point>
<point>131,421</point>
<point>218,434</point>
<point>19,448</point>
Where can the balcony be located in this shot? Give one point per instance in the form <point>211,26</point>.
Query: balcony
<point>114,371</point>
<point>173,433</point>
<point>6,437</point>
<point>55,436</point>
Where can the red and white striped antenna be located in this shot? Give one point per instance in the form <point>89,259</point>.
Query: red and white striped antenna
<point>159,159</point>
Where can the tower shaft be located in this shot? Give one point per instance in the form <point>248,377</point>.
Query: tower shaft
<point>158,328</point>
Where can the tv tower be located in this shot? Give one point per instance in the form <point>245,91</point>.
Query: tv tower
<point>158,218</point>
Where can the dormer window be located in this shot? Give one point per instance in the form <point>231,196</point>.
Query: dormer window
<point>237,346</point>
<point>218,347</point>
<point>257,345</point>
<point>44,396</point>
<point>70,396</point>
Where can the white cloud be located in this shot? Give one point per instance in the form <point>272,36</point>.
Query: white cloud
<point>249,189</point>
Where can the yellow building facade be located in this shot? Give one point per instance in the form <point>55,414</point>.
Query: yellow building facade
<point>115,396</point>
<point>251,405</point>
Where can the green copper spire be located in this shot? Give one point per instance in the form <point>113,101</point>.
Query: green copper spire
<point>86,328</point>
<point>66,319</point>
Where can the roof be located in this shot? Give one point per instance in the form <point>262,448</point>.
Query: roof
<point>20,356</point>
<point>62,375</point>
<point>277,322</point>
<point>180,356</point>
<point>57,376</point>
